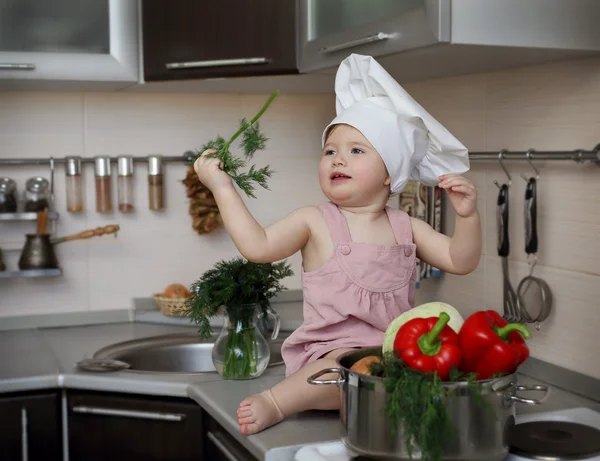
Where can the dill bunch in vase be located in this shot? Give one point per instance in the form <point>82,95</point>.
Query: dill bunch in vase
<point>240,290</point>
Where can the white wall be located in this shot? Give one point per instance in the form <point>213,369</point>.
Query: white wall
<point>153,249</point>
<point>550,107</point>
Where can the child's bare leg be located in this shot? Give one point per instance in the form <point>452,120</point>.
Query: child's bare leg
<point>290,396</point>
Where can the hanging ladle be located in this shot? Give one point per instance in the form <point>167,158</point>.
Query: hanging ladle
<point>38,251</point>
<point>533,293</point>
<point>509,297</point>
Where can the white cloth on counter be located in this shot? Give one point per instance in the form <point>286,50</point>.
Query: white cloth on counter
<point>326,451</point>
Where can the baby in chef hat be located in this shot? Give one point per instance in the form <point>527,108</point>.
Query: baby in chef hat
<point>358,255</point>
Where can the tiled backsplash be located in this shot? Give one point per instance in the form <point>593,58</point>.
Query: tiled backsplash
<point>152,249</point>
<point>549,107</point>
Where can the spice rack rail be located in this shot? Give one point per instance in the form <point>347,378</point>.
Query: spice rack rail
<point>33,273</point>
<point>52,215</point>
<point>186,157</point>
<point>103,172</point>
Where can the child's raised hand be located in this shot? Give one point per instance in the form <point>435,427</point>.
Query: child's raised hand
<point>461,192</point>
<point>209,171</point>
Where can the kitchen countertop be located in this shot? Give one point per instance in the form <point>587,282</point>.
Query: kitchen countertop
<point>44,358</point>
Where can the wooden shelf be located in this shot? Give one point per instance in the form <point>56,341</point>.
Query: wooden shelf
<point>32,273</point>
<point>52,215</point>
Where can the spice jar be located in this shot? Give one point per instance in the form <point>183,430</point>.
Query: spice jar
<point>8,197</point>
<point>155,182</point>
<point>125,183</point>
<point>73,187</point>
<point>37,194</point>
<point>103,189</point>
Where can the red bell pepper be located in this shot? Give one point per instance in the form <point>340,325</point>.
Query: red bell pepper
<point>492,346</point>
<point>428,345</point>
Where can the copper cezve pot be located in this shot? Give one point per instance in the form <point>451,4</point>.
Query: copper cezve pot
<point>38,252</point>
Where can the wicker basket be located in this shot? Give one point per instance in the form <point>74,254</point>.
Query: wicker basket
<point>170,306</point>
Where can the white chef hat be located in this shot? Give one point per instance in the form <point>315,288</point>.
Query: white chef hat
<point>411,142</point>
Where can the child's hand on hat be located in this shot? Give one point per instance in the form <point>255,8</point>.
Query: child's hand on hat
<point>461,192</point>
<point>210,173</point>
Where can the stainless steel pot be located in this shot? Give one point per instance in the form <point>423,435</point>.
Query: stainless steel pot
<point>481,434</point>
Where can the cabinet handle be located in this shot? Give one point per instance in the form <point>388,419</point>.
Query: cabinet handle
<point>16,66</point>
<point>353,43</point>
<point>130,413</point>
<point>216,439</point>
<point>216,63</point>
<point>24,437</point>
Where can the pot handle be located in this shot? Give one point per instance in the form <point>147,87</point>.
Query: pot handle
<point>537,387</point>
<point>313,379</point>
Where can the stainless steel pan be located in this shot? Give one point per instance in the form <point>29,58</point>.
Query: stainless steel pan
<point>482,434</point>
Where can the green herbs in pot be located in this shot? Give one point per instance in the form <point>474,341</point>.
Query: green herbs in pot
<point>417,403</point>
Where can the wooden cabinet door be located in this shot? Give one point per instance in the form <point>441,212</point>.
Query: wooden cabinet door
<point>187,39</point>
<point>105,426</point>
<point>30,427</point>
<point>222,446</point>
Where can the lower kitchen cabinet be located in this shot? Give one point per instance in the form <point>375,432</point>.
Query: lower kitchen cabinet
<point>112,426</point>
<point>107,426</point>
<point>30,426</point>
<point>220,445</point>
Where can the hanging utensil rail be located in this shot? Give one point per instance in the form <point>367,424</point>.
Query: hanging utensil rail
<point>187,156</point>
<point>578,155</point>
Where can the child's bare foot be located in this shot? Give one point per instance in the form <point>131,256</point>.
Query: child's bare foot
<point>258,412</point>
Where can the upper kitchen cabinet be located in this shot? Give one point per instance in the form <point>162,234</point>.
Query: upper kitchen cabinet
<point>421,39</point>
<point>191,39</point>
<point>71,44</point>
<point>331,30</point>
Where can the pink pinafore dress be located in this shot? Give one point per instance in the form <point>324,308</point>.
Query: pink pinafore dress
<point>351,300</point>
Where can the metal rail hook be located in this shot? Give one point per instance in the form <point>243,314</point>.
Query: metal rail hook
<point>528,157</point>
<point>500,158</point>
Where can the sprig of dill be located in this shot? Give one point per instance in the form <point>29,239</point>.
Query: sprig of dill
<point>253,140</point>
<point>233,283</point>
<point>416,402</point>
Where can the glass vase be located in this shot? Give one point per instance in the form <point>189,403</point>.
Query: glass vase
<point>268,322</point>
<point>241,351</point>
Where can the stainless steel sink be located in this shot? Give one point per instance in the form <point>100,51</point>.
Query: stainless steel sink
<point>175,353</point>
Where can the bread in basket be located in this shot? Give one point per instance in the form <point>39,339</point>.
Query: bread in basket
<point>172,300</point>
